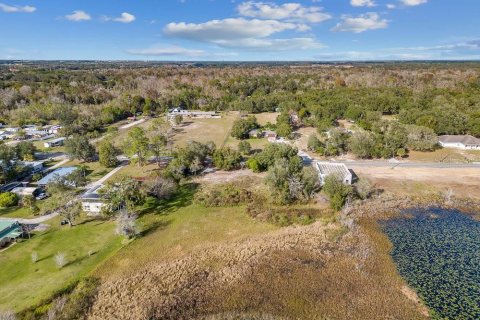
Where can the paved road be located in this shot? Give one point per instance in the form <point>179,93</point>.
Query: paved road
<point>106,177</point>
<point>412,164</point>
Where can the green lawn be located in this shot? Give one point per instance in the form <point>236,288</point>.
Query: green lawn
<point>24,283</point>
<point>257,143</point>
<point>21,212</point>
<point>178,227</point>
<point>95,169</point>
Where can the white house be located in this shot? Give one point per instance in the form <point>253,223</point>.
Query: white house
<point>54,143</point>
<point>92,202</point>
<point>332,168</point>
<point>464,142</point>
<point>192,114</point>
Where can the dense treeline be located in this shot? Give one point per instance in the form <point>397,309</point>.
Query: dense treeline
<point>443,97</point>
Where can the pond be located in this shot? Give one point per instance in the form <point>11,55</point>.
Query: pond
<point>437,252</point>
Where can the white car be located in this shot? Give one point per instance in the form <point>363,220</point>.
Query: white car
<point>42,196</point>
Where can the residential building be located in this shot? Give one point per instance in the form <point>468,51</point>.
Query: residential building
<point>192,114</point>
<point>464,142</point>
<point>340,170</point>
<point>54,143</point>
<point>92,202</point>
<point>10,230</point>
<point>255,133</point>
<point>36,166</point>
<point>58,173</point>
<point>27,191</point>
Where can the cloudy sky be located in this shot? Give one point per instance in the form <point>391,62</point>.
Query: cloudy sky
<point>240,30</point>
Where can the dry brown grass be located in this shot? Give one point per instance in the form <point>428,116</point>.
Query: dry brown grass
<point>313,272</point>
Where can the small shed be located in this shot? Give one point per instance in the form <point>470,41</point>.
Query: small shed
<point>340,170</point>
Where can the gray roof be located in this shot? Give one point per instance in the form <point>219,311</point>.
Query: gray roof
<point>92,194</point>
<point>60,172</point>
<point>328,168</point>
<point>463,139</point>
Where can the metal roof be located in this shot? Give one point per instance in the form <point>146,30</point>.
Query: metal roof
<point>60,172</point>
<point>9,229</point>
<point>328,168</point>
<point>463,139</point>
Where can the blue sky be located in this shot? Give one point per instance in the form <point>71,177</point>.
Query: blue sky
<point>240,30</point>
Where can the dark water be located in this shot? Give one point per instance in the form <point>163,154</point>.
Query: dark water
<point>437,252</point>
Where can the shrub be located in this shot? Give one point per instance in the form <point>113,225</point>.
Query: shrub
<point>60,260</point>
<point>223,195</point>
<point>244,147</point>
<point>8,199</point>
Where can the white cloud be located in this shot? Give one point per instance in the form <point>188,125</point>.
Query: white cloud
<point>413,2</point>
<point>229,29</point>
<point>271,44</point>
<point>125,17</point>
<point>391,6</point>
<point>78,15</point>
<point>364,22</point>
<point>167,51</point>
<point>286,11</point>
<point>11,9</point>
<point>363,3</point>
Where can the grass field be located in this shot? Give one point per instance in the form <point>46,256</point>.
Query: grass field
<point>204,130</point>
<point>95,170</point>
<point>178,227</point>
<point>24,283</point>
<point>21,212</point>
<point>265,117</point>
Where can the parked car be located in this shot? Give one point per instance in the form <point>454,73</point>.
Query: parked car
<point>42,196</point>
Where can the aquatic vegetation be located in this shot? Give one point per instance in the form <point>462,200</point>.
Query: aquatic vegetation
<point>437,251</point>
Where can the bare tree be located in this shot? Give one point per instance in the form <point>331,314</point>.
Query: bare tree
<point>126,224</point>
<point>60,260</point>
<point>34,257</point>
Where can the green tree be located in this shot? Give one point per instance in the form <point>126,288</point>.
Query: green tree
<point>137,145</point>
<point>242,127</point>
<point>8,199</point>
<point>244,147</point>
<point>314,143</point>
<point>336,190</point>
<point>227,159</point>
<point>362,144</point>
<point>107,154</point>
<point>71,211</point>
<point>25,150</point>
<point>122,193</point>
<point>78,147</point>
<point>421,138</point>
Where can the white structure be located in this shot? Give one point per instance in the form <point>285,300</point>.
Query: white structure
<point>192,114</point>
<point>331,168</point>
<point>54,143</point>
<point>36,166</point>
<point>26,191</point>
<point>92,202</point>
<point>464,142</point>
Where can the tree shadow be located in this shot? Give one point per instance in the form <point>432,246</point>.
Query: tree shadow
<point>182,198</point>
<point>154,227</point>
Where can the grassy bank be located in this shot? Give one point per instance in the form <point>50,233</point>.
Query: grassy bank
<point>24,283</point>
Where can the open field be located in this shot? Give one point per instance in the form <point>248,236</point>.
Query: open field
<point>85,245</point>
<point>266,117</point>
<point>200,262</point>
<point>177,228</point>
<point>204,130</point>
<point>120,136</point>
<point>464,181</point>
